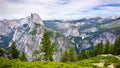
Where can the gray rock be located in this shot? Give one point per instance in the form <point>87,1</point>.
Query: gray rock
<point>28,37</point>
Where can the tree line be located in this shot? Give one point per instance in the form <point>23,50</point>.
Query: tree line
<point>13,53</point>
<point>99,49</point>
<point>46,51</point>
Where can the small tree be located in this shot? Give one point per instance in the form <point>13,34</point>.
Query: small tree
<point>69,56</point>
<point>64,57</point>
<point>2,51</point>
<point>84,55</point>
<point>14,54</point>
<point>99,49</point>
<point>91,53</point>
<point>80,56</point>
<point>23,57</point>
<point>72,54</point>
<point>36,56</point>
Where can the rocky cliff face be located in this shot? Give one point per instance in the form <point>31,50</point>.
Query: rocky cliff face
<point>7,28</point>
<point>86,33</point>
<point>28,37</point>
<point>83,33</point>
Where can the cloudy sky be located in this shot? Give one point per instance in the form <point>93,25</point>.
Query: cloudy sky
<point>59,9</point>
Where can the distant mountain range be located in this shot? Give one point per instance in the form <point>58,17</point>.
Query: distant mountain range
<point>85,33</point>
<point>82,33</point>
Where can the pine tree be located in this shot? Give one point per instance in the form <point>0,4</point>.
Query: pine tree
<point>99,49</point>
<point>2,51</point>
<point>36,56</point>
<point>69,56</point>
<point>14,54</point>
<point>47,47</point>
<point>86,54</point>
<point>107,49</point>
<point>65,57</point>
<point>112,49</point>
<point>72,54</point>
<point>117,46</point>
<point>23,57</point>
<point>91,53</point>
<point>80,56</point>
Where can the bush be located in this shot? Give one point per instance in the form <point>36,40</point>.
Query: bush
<point>86,63</point>
<point>4,63</point>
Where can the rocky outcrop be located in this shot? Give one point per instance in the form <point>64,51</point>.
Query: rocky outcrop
<point>36,19</point>
<point>86,33</point>
<point>104,37</point>
<point>28,37</point>
<point>7,28</point>
<point>83,33</point>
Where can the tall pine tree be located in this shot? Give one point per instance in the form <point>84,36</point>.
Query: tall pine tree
<point>117,46</point>
<point>46,47</point>
<point>72,54</point>
<point>107,48</point>
<point>99,49</point>
<point>14,54</point>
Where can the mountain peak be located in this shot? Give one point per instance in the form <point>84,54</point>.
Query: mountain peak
<point>35,18</point>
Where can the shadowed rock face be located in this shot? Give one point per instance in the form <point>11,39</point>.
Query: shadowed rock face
<point>27,36</point>
<point>36,19</point>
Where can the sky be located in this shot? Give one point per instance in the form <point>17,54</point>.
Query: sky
<point>59,9</point>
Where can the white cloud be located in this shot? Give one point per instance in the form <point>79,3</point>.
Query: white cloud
<point>55,9</point>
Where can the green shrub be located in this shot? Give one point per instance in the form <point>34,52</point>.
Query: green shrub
<point>4,63</point>
<point>86,63</point>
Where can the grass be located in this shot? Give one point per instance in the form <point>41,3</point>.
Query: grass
<point>85,63</point>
